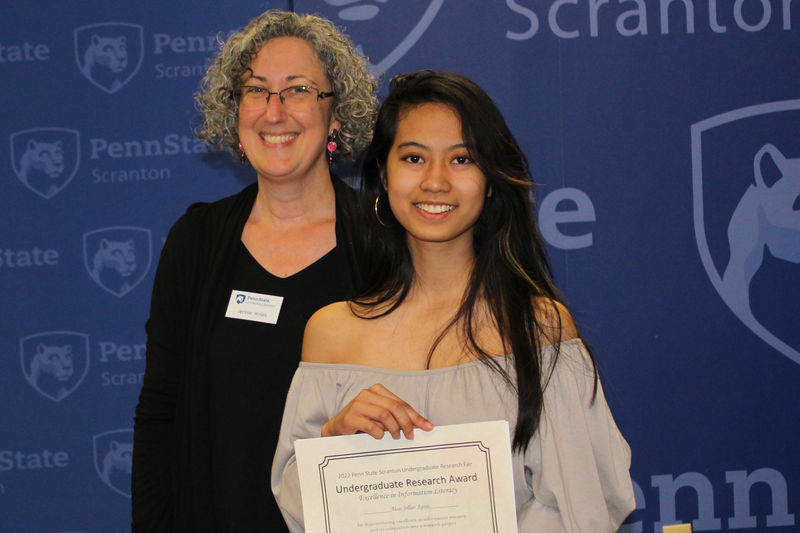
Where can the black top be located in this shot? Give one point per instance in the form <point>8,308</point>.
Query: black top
<point>251,365</point>
<point>176,482</point>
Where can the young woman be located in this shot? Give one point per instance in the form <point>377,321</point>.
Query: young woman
<point>458,319</point>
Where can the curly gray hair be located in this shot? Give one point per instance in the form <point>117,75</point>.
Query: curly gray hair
<point>354,105</point>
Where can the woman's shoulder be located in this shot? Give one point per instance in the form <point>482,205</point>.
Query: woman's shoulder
<point>330,333</point>
<point>221,207</point>
<point>202,219</point>
<point>343,189</point>
<point>555,320</point>
<point>200,213</point>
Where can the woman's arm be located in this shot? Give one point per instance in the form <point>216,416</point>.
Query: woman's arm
<point>305,411</point>
<point>578,461</point>
<point>154,423</point>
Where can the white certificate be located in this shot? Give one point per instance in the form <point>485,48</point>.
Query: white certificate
<point>453,478</point>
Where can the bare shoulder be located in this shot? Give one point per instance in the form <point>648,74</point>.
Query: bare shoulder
<point>555,319</point>
<point>327,333</point>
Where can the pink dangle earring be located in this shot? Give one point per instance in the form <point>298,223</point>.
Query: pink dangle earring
<point>331,146</point>
<point>242,157</point>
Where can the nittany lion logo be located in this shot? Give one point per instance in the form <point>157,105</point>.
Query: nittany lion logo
<point>746,169</point>
<point>55,362</point>
<point>45,159</point>
<point>109,54</point>
<point>113,457</point>
<point>399,23</point>
<point>117,258</point>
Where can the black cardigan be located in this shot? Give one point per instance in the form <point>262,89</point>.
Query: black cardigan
<point>171,477</point>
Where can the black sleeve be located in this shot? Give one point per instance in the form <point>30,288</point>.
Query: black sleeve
<point>155,420</point>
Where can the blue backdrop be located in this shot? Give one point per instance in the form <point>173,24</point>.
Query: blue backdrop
<point>664,136</point>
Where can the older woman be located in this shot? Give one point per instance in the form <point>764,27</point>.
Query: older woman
<point>238,278</point>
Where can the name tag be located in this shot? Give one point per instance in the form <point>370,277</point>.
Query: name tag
<point>253,306</point>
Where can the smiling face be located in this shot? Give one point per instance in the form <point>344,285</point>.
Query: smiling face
<point>435,190</point>
<point>284,143</point>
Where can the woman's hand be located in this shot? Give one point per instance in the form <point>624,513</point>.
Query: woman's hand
<point>374,411</point>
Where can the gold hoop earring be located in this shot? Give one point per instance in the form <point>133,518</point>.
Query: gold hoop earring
<point>377,213</point>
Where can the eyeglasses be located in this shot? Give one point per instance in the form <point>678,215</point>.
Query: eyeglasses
<point>294,97</point>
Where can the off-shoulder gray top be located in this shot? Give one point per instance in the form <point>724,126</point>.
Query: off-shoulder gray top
<point>573,477</point>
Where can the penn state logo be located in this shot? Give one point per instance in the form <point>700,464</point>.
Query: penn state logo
<point>398,23</point>
<point>45,159</point>
<point>109,54</point>
<point>240,298</point>
<point>55,362</point>
<point>746,183</point>
<point>117,258</point>
<point>113,457</point>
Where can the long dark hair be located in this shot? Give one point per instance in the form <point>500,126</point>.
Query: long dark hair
<point>511,271</point>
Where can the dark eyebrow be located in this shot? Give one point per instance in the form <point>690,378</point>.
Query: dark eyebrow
<point>297,76</point>
<point>420,145</point>
<point>412,144</point>
<point>288,78</point>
